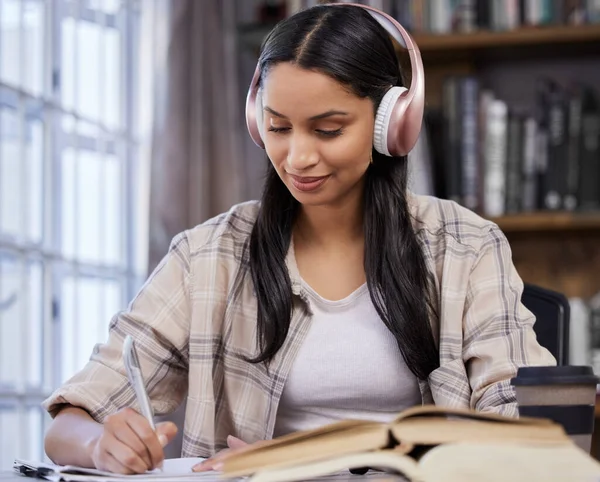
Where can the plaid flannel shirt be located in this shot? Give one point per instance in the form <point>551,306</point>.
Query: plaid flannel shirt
<point>194,317</point>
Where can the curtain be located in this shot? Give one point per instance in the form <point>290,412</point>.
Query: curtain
<point>197,166</point>
<point>197,129</point>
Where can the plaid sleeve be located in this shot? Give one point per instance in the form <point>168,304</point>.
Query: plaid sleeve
<point>158,320</point>
<point>498,329</point>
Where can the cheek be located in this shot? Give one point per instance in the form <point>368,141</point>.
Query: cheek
<point>351,152</point>
<point>276,151</point>
<point>345,153</point>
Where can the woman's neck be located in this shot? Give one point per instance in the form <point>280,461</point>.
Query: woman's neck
<point>329,226</point>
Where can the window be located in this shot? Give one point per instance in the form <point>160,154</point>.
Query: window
<point>69,160</point>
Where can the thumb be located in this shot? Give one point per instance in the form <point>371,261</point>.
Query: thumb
<point>235,443</point>
<point>166,432</point>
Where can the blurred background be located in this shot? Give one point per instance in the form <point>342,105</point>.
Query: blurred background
<point>122,124</point>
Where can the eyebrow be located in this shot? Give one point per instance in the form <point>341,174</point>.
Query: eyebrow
<point>329,113</point>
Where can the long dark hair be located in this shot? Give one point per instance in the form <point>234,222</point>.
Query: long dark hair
<point>347,44</point>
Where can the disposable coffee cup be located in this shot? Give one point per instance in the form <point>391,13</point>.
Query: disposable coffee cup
<point>564,394</point>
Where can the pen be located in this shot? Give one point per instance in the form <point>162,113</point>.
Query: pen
<point>134,374</point>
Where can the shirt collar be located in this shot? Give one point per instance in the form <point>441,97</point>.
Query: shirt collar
<point>294,273</point>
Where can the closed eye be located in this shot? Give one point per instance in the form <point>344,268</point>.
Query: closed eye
<point>278,129</point>
<point>321,132</point>
<point>327,133</point>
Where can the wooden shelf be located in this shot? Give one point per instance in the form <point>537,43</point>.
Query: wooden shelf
<point>522,37</point>
<point>522,42</point>
<point>549,221</point>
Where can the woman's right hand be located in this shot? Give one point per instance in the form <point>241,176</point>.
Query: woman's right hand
<point>128,445</point>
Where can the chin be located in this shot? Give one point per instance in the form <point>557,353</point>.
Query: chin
<point>313,202</point>
<point>316,198</point>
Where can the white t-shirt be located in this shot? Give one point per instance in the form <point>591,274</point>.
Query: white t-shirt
<point>349,367</point>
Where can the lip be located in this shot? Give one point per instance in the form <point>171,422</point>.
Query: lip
<point>307,184</point>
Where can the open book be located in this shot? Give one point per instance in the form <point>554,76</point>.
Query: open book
<point>424,444</point>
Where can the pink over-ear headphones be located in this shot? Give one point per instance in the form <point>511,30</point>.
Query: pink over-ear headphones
<point>399,116</point>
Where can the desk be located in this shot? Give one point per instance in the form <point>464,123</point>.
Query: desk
<point>8,476</point>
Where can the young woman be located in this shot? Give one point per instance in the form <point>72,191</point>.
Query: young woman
<point>339,295</point>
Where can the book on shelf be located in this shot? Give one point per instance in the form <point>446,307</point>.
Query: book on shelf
<point>593,333</point>
<point>500,159</point>
<point>465,16</point>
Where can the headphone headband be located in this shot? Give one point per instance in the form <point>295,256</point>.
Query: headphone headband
<point>399,123</point>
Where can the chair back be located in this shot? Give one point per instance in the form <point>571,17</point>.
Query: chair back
<point>552,313</point>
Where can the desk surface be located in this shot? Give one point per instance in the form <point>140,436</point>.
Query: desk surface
<point>8,476</point>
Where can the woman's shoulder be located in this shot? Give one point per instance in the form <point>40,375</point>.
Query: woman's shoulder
<point>232,227</point>
<point>442,219</point>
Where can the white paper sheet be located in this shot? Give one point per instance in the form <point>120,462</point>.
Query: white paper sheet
<point>180,468</point>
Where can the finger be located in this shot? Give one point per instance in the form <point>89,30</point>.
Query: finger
<point>113,465</point>
<point>235,443</point>
<point>210,463</point>
<point>207,466</point>
<point>149,438</point>
<point>125,456</point>
<point>213,462</point>
<point>216,461</point>
<point>127,436</point>
<point>166,432</point>
<point>201,467</point>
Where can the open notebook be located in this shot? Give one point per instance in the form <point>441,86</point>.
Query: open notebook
<point>173,469</point>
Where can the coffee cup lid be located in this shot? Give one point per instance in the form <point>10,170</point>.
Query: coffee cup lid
<point>555,375</point>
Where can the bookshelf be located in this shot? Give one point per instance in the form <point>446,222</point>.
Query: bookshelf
<point>465,53</point>
<point>457,45</point>
<point>527,41</point>
<point>548,222</point>
<point>555,249</point>
<point>562,259</point>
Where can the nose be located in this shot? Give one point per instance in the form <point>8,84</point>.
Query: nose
<point>301,154</point>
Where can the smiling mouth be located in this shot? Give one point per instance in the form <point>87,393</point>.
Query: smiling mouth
<point>307,184</point>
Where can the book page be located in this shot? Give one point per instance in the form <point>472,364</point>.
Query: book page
<point>435,431</point>
<point>432,411</point>
<point>505,463</point>
<point>389,461</point>
<point>359,438</point>
<point>333,428</point>
<point>180,465</point>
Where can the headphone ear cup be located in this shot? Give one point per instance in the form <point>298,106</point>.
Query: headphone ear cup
<point>382,119</point>
<point>258,105</point>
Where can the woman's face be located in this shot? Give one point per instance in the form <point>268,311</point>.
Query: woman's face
<point>317,134</point>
